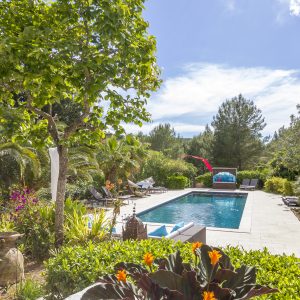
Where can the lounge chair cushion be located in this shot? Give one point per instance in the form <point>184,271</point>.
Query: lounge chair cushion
<point>159,232</point>
<point>177,226</point>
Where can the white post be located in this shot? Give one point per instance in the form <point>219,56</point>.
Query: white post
<point>54,171</point>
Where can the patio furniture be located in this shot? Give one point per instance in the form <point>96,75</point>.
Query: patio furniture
<point>98,196</point>
<point>224,178</point>
<point>245,183</point>
<point>109,195</point>
<point>252,184</point>
<point>136,190</point>
<point>291,200</point>
<point>187,233</point>
<point>148,184</point>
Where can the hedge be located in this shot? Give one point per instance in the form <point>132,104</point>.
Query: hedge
<point>279,185</point>
<point>74,268</point>
<point>177,182</point>
<point>205,179</point>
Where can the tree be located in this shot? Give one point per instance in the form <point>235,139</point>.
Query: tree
<point>237,133</point>
<point>283,151</point>
<point>201,145</point>
<point>94,55</point>
<point>163,138</point>
<point>120,158</point>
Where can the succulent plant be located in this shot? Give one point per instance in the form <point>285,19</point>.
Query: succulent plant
<point>213,278</point>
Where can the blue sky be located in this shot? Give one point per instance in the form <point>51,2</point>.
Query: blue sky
<point>212,50</point>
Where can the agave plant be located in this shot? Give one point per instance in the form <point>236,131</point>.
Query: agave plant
<point>213,278</point>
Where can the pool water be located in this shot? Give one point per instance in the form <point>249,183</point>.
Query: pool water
<point>211,210</point>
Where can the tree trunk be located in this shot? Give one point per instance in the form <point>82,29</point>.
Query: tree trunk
<point>60,195</point>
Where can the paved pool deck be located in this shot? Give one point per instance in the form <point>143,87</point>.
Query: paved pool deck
<point>266,222</point>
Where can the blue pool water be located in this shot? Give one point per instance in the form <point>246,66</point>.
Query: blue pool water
<point>211,210</point>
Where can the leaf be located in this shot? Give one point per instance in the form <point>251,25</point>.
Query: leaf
<point>244,275</point>
<point>172,263</point>
<point>108,291</point>
<point>250,291</point>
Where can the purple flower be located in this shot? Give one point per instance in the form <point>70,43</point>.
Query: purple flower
<point>19,207</point>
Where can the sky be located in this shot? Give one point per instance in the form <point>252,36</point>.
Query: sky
<point>213,50</point>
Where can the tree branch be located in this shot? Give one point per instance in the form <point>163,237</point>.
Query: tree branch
<point>51,123</point>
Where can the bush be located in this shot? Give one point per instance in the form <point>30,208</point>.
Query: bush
<point>29,290</point>
<point>160,168</point>
<point>252,174</point>
<point>177,182</point>
<point>74,268</point>
<point>206,179</point>
<point>279,185</point>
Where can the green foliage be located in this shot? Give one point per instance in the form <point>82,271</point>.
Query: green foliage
<point>237,133</point>
<point>284,149</point>
<point>29,290</point>
<point>178,280</point>
<point>177,182</point>
<point>78,225</point>
<point>120,158</point>
<point>206,179</point>
<point>201,145</point>
<point>37,224</point>
<point>279,185</point>
<point>93,261</point>
<point>160,168</point>
<point>252,174</point>
<point>163,138</point>
<point>18,165</point>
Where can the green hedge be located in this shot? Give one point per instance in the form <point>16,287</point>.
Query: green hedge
<point>177,182</point>
<point>205,179</point>
<point>161,167</point>
<point>74,268</point>
<point>279,185</point>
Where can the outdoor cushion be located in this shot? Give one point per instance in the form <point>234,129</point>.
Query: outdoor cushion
<point>177,226</point>
<point>159,232</point>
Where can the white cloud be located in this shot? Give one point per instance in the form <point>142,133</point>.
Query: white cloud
<point>295,7</point>
<point>189,101</point>
<point>230,5</point>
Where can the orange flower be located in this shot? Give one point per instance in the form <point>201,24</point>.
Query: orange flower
<point>121,275</point>
<point>148,259</point>
<point>195,246</point>
<point>214,257</point>
<point>107,182</point>
<point>209,296</point>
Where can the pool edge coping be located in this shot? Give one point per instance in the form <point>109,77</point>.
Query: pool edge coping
<point>246,219</point>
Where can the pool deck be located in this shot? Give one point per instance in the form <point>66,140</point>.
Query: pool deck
<point>266,222</point>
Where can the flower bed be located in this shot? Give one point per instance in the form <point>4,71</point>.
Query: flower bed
<point>74,268</point>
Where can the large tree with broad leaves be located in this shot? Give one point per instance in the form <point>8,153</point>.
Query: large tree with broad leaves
<point>94,57</point>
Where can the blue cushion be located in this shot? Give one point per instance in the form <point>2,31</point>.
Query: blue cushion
<point>177,226</point>
<point>160,232</point>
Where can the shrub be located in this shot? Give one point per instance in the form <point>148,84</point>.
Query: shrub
<point>206,179</point>
<point>169,278</point>
<point>177,182</point>
<point>76,267</point>
<point>279,185</point>
<point>29,290</point>
<point>160,168</point>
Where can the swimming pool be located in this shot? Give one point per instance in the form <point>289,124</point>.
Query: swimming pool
<point>221,210</point>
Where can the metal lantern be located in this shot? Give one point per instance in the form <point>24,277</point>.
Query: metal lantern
<point>134,228</point>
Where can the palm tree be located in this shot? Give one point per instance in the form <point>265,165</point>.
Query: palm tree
<point>19,164</point>
<point>120,158</point>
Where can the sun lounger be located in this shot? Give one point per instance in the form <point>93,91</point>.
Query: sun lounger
<point>109,195</point>
<point>98,196</point>
<point>148,184</point>
<point>291,200</point>
<point>245,183</point>
<point>252,184</point>
<point>136,190</point>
